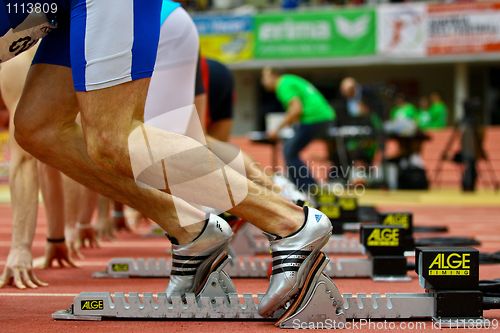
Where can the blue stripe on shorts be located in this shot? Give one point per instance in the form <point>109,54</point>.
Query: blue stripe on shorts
<point>146,37</point>
<point>78,29</point>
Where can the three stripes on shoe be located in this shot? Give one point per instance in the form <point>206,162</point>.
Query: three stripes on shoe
<point>283,261</point>
<point>288,261</point>
<point>186,265</point>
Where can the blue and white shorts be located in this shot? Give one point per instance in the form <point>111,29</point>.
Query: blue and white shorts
<point>110,42</point>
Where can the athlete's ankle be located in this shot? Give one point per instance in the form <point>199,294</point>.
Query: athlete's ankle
<point>188,234</point>
<point>291,224</point>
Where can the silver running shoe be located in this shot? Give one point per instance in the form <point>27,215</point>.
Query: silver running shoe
<point>192,263</point>
<point>293,257</point>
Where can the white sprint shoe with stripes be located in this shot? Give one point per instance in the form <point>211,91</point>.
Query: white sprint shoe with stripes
<point>293,258</point>
<point>192,263</point>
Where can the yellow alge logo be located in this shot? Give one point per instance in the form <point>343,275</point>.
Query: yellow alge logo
<point>332,212</point>
<point>92,305</point>
<point>326,198</point>
<point>397,219</point>
<point>450,264</point>
<point>119,267</point>
<point>383,237</point>
<point>347,203</point>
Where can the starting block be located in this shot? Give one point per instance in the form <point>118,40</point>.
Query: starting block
<point>241,267</point>
<point>339,209</point>
<point>249,240</point>
<point>450,277</point>
<point>384,245</point>
<point>388,218</point>
<point>347,215</point>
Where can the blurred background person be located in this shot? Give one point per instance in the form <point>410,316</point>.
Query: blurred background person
<point>423,117</point>
<point>360,106</point>
<point>403,109</point>
<point>438,112</point>
<point>406,168</point>
<point>308,112</point>
<point>432,113</point>
<point>219,91</point>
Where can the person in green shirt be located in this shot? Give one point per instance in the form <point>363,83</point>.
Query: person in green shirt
<point>307,111</point>
<point>434,116</point>
<point>403,109</point>
<point>438,112</point>
<point>424,116</point>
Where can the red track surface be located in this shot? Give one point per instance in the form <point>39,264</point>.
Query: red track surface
<point>30,310</point>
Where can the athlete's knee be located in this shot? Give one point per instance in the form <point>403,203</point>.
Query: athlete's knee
<point>31,135</point>
<point>19,156</point>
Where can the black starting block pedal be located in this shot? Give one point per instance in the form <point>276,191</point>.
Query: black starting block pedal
<point>340,210</point>
<point>451,275</point>
<point>402,218</point>
<point>386,246</point>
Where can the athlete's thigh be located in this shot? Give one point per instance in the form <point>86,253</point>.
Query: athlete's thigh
<point>113,51</point>
<point>119,76</point>
<point>46,104</point>
<point>48,97</point>
<point>109,114</point>
<point>12,77</point>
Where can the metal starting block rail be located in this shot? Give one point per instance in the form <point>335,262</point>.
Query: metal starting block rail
<point>240,267</point>
<point>450,277</point>
<point>234,306</point>
<point>386,261</point>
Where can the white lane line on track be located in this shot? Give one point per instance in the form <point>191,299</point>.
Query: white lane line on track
<point>36,295</point>
<point>64,295</point>
<point>84,263</point>
<point>121,244</point>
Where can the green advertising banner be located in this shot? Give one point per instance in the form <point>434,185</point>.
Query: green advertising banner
<point>336,33</point>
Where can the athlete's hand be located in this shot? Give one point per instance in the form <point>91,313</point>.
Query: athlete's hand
<point>105,229</point>
<point>87,236</point>
<point>71,235</point>
<point>18,270</point>
<point>58,252</point>
<point>120,224</point>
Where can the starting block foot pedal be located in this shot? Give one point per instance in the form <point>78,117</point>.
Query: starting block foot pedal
<point>318,301</point>
<point>218,283</point>
<point>69,315</point>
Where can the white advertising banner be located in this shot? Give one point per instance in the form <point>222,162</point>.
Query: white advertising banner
<point>463,28</point>
<point>402,30</point>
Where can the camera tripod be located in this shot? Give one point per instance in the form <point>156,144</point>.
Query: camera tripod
<point>471,150</point>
